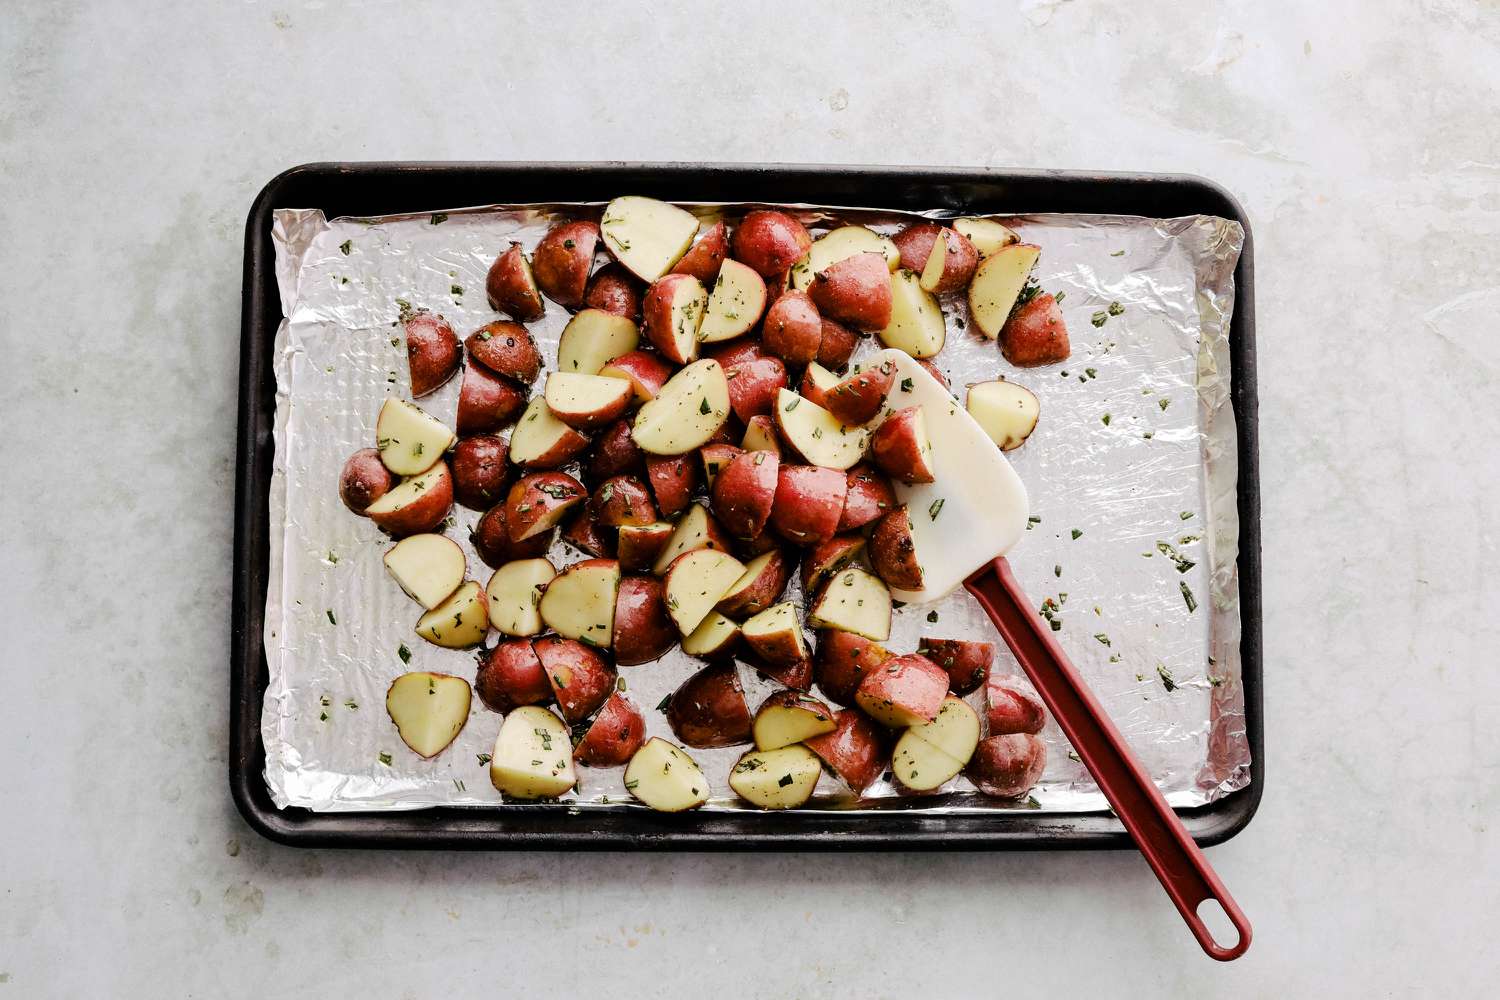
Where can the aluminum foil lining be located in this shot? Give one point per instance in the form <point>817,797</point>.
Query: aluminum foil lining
<point>1131,473</point>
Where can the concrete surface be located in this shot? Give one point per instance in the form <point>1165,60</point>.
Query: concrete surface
<point>1360,136</point>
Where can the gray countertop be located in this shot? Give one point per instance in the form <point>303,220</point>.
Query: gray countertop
<point>1363,144</point>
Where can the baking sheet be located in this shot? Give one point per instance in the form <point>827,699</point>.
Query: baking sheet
<point>1131,473</point>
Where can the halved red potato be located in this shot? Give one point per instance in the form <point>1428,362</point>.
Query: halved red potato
<point>736,352</point>
<point>580,602</point>
<point>588,536</point>
<point>715,458</point>
<point>687,413</point>
<point>853,601</point>
<point>364,479</point>
<point>744,492</point>
<point>987,235</point>
<point>614,736</point>
<point>836,346</point>
<point>793,328</point>
<point>505,348</point>
<point>647,236</point>
<point>696,529</point>
<point>581,679</point>
<point>695,582</point>
<point>709,710</point>
<point>869,497</point>
<point>760,435</point>
<point>776,779</point>
<point>950,265</point>
<point>827,558</point>
<point>615,454</point>
<point>672,479</point>
<point>893,553</point>
<point>415,504</point>
<point>541,441</point>
<point>921,767</point>
<point>537,502</point>
<point>532,758</point>
<point>614,290</point>
<point>458,622</point>
<point>903,691</point>
<point>409,438</point>
<point>563,259</point>
<point>593,337</point>
<point>814,434</point>
<point>480,473</point>
<point>646,372</point>
<point>428,709</point>
<point>797,675</point>
<point>843,659</point>
<point>665,778</point>
<point>776,636</point>
<point>511,288</point>
<point>900,447</point>
<point>817,383</point>
<point>1008,412</point>
<point>855,291</point>
<point>998,283</point>
<point>769,242</point>
<point>432,352</point>
<point>753,385</point>
<point>966,660</point>
<point>427,567</point>
<point>916,323</point>
<point>671,313</point>
<point>735,304</point>
<point>841,244</point>
<point>639,545</point>
<point>715,636</point>
<point>643,629</point>
<point>620,501</point>
<point>491,539</point>
<point>1007,766</point>
<point>510,675</point>
<point>855,749</point>
<point>859,397</point>
<point>758,587</point>
<point>486,402</point>
<point>1011,706</point>
<point>584,402</point>
<point>914,244</point>
<point>707,254</point>
<point>955,730</point>
<point>808,502</point>
<point>1035,334</point>
<point>515,593</point>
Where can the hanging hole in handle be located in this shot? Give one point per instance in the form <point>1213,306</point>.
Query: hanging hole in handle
<point>1220,927</point>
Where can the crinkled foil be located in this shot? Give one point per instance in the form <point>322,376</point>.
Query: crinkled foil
<point>1131,473</point>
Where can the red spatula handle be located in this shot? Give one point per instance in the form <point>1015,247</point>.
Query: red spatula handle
<point>1183,870</point>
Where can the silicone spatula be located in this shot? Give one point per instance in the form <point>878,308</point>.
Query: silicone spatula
<point>963,524</point>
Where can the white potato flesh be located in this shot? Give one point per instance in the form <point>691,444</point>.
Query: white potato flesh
<point>987,235</point>
<point>647,236</point>
<point>776,779</point>
<point>582,398</point>
<point>592,339</point>
<point>429,710</point>
<point>779,725</point>
<point>580,602</point>
<point>937,260</point>
<point>533,756</point>
<point>760,436</point>
<point>955,731</point>
<point>814,432</point>
<point>854,601</point>
<point>696,582</point>
<point>662,775</point>
<point>537,432</point>
<point>841,244</point>
<point>515,596</point>
<point>458,622</point>
<point>689,304</point>
<point>753,569</point>
<point>409,490</point>
<point>920,765</point>
<point>428,567</point>
<point>692,532</point>
<point>735,304</point>
<point>409,438</point>
<point>916,325</point>
<point>823,378</point>
<point>998,283</point>
<point>711,636</point>
<point>777,620</point>
<point>688,411</point>
<point>1007,412</point>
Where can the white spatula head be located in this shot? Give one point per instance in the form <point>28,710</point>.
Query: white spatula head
<point>976,509</point>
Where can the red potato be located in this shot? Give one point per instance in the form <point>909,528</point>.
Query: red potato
<point>646,372</point>
<point>760,435</point>
<point>643,629</point>
<point>581,679</point>
<point>563,259</point>
<point>900,447</point>
<point>967,661</point>
<point>541,441</point>
<point>933,370</point>
<point>1007,412</point>
<point>486,402</point>
<point>416,504</point>
<point>853,601</point>
<point>579,603</point>
<point>510,675</point>
<point>869,496</point>
<point>639,545</point>
<point>836,345</point>
<point>505,348</point>
<point>751,548</point>
<point>695,582</point>
<point>843,659</point>
<point>753,385</point>
<point>759,587</point>
<point>592,339</point>
<point>491,539</point>
<point>614,736</point>
<point>856,749</point>
<point>703,260</point>
<point>1035,334</point>
<point>917,326</point>
<point>695,529</point>
<point>997,285</point>
<point>893,553</point>
<point>987,235</point>
<point>808,503</point>
<point>736,352</point>
<point>1007,766</point>
<point>480,473</point>
<point>364,479</point>
<point>817,383</point>
<point>585,402</point>
<point>770,242</point>
<point>827,558</point>
<point>514,593</point>
<point>1011,706</point>
<point>432,352</point>
<point>715,636</point>
<point>581,531</point>
<point>537,502</point>
<point>950,265</point>
<point>797,675</point>
<point>744,492</point>
<point>736,300</point>
<point>409,438</point>
<point>775,635</point>
<point>858,398</point>
<point>511,288</point>
<point>689,412</point>
<point>915,244</point>
<point>620,501</point>
<point>615,290</point>
<point>903,691</point>
<point>855,291</point>
<point>715,457</point>
<point>672,478</point>
<point>709,710</point>
<point>671,313</point>
<point>615,454</point>
<point>793,328</point>
<point>788,717</point>
<point>647,236</point>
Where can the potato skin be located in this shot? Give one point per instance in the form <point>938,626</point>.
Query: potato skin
<point>1007,766</point>
<point>491,539</point>
<point>958,265</point>
<point>868,498</point>
<point>510,675</point>
<point>364,479</point>
<point>657,318</point>
<point>836,345</point>
<point>827,558</point>
<point>581,678</point>
<point>753,385</point>
<point>809,502</point>
<point>706,255</point>
<point>581,531</point>
<point>1012,707</point>
<point>646,372</point>
<point>511,289</point>
<point>769,242</point>
<point>915,244</point>
<point>856,750</point>
<point>745,491</point>
<point>423,515</point>
<point>897,448</point>
<point>792,328</point>
<point>562,261</point>
<point>1035,334</point>
<point>672,478</point>
<point>709,710</point>
<point>912,682</point>
<point>893,554</point>
<point>622,500</point>
<point>736,351</point>
<point>966,660</point>
<point>486,402</point>
<point>505,348</point>
<point>638,546</point>
<point>616,733</point>
<point>841,662</point>
<point>539,495</point>
<point>858,398</point>
<point>432,352</point>
<point>797,674</point>
<point>643,629</point>
<point>855,291</point>
<point>765,592</point>
<point>480,472</point>
<point>615,453</point>
<point>613,289</point>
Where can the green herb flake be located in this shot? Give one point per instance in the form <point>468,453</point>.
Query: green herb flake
<point>1102,639</point>
<point>1115,309</point>
<point>1077,534</point>
<point>1099,318</point>
<point>331,620</point>
<point>1091,372</point>
<point>1117,253</point>
<point>1059,297</point>
<point>1032,522</point>
<point>332,558</point>
<point>1163,403</point>
<point>1187,596</point>
<point>932,616</point>
<point>936,508</point>
<point>1104,420</point>
<point>1186,515</point>
<point>661,706</point>
<point>907,385</point>
<point>346,247</point>
<point>483,758</point>
<point>1166,677</point>
<point>385,758</point>
<point>351,704</point>
<point>438,218</point>
<point>786,779</point>
<point>456,289</point>
<point>404,653</point>
<point>792,405</point>
<point>703,406</point>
